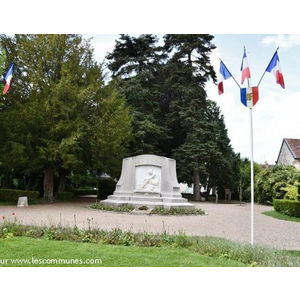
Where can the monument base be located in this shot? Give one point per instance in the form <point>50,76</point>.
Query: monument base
<point>150,202</point>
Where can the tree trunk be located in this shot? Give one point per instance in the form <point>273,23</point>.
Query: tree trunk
<point>196,179</point>
<point>48,185</point>
<point>62,180</point>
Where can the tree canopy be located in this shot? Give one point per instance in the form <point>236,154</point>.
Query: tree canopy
<point>59,116</point>
<point>165,87</point>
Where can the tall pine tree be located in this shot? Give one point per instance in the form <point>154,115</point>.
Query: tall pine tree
<point>191,69</point>
<point>134,62</point>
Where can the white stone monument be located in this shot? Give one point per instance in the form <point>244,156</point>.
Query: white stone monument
<point>22,202</point>
<point>149,180</point>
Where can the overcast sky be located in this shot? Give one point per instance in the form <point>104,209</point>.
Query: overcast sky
<point>276,115</point>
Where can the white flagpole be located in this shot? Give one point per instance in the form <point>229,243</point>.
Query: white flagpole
<point>252,166</point>
<point>252,178</point>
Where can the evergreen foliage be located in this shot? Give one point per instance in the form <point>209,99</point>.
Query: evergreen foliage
<point>59,116</point>
<point>164,86</point>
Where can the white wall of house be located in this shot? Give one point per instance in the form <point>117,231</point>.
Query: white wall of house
<point>286,158</point>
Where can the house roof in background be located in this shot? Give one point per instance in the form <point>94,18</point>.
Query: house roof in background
<point>294,146</point>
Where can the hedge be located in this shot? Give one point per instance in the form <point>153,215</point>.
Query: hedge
<point>64,196</point>
<point>287,207</point>
<point>7,195</point>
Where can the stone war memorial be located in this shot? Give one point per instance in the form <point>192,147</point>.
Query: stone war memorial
<point>148,180</point>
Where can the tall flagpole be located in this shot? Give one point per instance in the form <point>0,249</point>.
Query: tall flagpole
<point>269,68</point>
<point>252,178</point>
<point>252,167</point>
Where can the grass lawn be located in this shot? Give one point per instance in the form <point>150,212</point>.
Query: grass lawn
<point>42,252</point>
<point>280,216</point>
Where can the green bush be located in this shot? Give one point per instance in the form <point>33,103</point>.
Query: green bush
<point>287,207</point>
<point>7,195</point>
<point>106,187</point>
<point>64,196</point>
<point>176,211</point>
<point>271,183</point>
<point>121,208</point>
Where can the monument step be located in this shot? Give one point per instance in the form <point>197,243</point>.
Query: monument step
<point>147,199</point>
<point>149,204</point>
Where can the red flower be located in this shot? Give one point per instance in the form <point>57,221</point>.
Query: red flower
<point>13,214</point>
<point>3,217</point>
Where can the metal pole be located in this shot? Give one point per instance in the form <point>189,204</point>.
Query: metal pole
<point>252,167</point>
<point>252,178</point>
<point>230,74</point>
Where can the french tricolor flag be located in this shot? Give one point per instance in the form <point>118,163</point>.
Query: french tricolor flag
<point>249,96</point>
<point>223,75</point>
<point>274,67</point>
<point>8,79</point>
<point>245,67</point>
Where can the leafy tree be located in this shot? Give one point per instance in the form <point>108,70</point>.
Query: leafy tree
<point>271,183</point>
<point>59,109</point>
<point>245,176</point>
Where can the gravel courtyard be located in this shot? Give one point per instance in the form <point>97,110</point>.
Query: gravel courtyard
<point>230,221</point>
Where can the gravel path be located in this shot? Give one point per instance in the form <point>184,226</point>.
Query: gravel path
<point>230,221</point>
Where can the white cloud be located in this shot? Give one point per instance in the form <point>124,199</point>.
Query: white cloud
<point>102,49</point>
<point>284,41</point>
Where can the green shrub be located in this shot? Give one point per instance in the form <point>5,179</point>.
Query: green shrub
<point>287,207</point>
<point>106,187</point>
<point>7,195</point>
<point>270,183</point>
<point>121,208</point>
<point>177,211</point>
<point>291,192</point>
<point>64,196</point>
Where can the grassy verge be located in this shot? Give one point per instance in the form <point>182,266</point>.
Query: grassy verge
<point>280,216</point>
<point>29,252</point>
<point>143,242</point>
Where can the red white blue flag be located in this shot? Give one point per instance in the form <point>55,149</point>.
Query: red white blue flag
<point>249,96</point>
<point>245,67</point>
<point>223,75</point>
<point>275,68</point>
<point>8,79</point>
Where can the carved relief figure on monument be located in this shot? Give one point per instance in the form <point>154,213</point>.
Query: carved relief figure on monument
<point>150,183</point>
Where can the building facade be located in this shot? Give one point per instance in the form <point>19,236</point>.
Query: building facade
<point>289,154</point>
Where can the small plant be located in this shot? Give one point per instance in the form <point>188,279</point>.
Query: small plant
<point>144,207</point>
<point>121,208</point>
<point>177,211</point>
